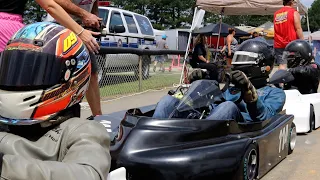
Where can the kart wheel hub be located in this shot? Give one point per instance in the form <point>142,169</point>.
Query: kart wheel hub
<point>293,138</point>
<point>252,164</point>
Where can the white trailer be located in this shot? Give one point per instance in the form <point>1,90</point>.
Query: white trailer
<point>177,39</point>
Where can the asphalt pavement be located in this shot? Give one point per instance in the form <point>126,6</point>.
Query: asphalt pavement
<point>302,164</point>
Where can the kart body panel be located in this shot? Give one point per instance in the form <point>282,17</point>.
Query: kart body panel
<point>192,148</point>
<point>299,105</point>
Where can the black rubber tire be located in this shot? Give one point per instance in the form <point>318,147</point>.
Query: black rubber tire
<point>312,119</point>
<point>243,173</point>
<point>290,149</point>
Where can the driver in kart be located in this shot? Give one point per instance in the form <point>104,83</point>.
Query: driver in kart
<point>306,73</point>
<point>44,74</point>
<point>252,64</point>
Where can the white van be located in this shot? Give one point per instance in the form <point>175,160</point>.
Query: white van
<point>125,29</point>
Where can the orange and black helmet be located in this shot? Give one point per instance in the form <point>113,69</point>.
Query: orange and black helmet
<point>44,69</point>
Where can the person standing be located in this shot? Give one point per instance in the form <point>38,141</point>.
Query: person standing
<point>231,45</point>
<point>161,45</point>
<point>10,19</point>
<point>86,13</point>
<point>287,27</point>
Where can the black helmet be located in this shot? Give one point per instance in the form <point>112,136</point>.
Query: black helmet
<point>255,58</point>
<point>298,53</point>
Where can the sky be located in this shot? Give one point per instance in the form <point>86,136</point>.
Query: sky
<point>307,2</point>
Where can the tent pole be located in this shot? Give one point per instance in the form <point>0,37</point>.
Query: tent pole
<point>188,45</point>
<point>216,54</point>
<point>308,28</point>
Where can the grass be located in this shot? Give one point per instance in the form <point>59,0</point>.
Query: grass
<point>130,84</point>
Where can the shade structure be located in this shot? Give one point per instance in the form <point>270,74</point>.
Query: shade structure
<point>213,29</point>
<point>315,35</point>
<point>246,7</point>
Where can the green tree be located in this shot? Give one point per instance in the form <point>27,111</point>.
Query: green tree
<point>314,17</point>
<point>33,12</point>
<point>162,13</point>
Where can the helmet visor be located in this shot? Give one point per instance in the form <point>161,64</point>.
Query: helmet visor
<point>244,57</point>
<point>29,70</point>
<point>290,55</point>
<point>294,59</point>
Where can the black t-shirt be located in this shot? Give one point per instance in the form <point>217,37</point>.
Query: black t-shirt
<point>13,6</point>
<point>199,50</point>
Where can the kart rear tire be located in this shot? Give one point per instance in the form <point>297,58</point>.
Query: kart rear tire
<point>292,138</point>
<point>248,169</point>
<point>312,119</point>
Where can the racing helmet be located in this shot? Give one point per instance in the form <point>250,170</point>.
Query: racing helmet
<point>44,69</point>
<point>254,58</point>
<point>297,53</point>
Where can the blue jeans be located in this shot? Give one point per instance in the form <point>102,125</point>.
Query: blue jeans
<point>224,111</point>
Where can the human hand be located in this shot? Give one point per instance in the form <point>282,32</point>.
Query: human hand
<point>91,20</point>
<point>240,80</point>
<point>229,53</point>
<point>90,41</point>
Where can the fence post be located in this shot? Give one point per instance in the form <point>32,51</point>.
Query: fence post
<point>140,73</point>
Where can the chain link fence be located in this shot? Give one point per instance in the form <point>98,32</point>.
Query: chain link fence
<point>127,71</point>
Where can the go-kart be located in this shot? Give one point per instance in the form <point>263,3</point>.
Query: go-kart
<point>196,148</point>
<point>304,107</point>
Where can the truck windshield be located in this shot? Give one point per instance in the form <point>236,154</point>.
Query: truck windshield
<point>104,14</point>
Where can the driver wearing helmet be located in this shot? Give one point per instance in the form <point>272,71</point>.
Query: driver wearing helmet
<point>252,64</point>
<point>44,74</point>
<point>306,74</point>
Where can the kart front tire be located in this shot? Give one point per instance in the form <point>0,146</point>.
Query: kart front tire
<point>248,169</point>
<point>292,138</point>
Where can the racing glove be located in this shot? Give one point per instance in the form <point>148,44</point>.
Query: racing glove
<point>248,91</point>
<point>197,74</point>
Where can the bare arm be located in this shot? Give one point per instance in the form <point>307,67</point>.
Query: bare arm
<point>202,58</point>
<point>71,8</point>
<point>88,19</point>
<point>62,17</point>
<point>58,13</point>
<point>297,25</point>
<point>229,40</point>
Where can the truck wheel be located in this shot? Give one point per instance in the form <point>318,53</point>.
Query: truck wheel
<point>292,138</point>
<point>312,119</point>
<point>248,168</point>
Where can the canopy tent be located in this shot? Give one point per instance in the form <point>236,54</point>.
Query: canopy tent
<point>315,35</point>
<point>246,7</point>
<point>267,28</point>
<point>214,29</point>
<point>239,7</point>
